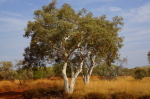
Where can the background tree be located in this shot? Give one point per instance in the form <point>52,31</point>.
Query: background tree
<point>63,36</point>
<point>148,72</point>
<point>49,72</point>
<point>23,74</point>
<point>6,70</point>
<point>140,74</point>
<point>148,54</point>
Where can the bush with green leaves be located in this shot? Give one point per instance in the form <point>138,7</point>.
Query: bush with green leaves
<point>140,74</point>
<point>49,72</point>
<point>39,73</point>
<point>148,72</point>
<point>6,71</point>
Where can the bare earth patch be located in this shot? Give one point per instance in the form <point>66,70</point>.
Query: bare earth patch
<point>15,94</point>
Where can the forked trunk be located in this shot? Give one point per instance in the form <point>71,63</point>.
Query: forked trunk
<point>86,78</point>
<point>74,76</point>
<point>70,88</point>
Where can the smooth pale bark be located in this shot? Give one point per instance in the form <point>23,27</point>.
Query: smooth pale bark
<point>74,76</point>
<point>86,77</point>
<point>66,87</point>
<point>69,88</point>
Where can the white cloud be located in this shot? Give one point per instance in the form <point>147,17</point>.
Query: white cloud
<point>140,15</point>
<point>12,24</point>
<point>10,13</point>
<point>29,4</point>
<point>137,35</point>
<point>115,9</point>
<point>143,13</point>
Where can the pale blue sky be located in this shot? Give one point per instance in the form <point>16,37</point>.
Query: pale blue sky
<point>14,15</point>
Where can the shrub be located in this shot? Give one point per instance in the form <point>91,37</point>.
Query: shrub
<point>140,74</point>
<point>49,72</point>
<point>39,73</point>
<point>6,71</point>
<point>148,72</point>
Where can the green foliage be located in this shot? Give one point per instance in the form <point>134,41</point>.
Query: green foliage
<point>6,70</point>
<point>148,72</point>
<point>49,72</point>
<point>39,73</point>
<point>57,69</point>
<point>58,31</point>
<point>23,73</point>
<point>140,74</point>
<point>109,72</point>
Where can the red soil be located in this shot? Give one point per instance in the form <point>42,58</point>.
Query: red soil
<point>15,94</point>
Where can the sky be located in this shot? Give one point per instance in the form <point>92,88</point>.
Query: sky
<point>15,14</point>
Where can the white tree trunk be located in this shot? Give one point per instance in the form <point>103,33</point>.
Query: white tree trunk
<point>66,87</point>
<point>86,77</point>
<point>72,83</point>
<point>74,76</point>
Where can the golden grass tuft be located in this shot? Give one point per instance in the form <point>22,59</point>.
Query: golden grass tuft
<point>43,83</point>
<point>7,85</point>
<point>122,85</point>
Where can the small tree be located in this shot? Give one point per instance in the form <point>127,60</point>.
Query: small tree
<point>6,70</point>
<point>140,74</point>
<point>23,73</point>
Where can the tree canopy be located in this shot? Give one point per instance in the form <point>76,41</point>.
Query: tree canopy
<point>64,36</point>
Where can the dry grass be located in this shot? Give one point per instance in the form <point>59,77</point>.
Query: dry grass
<point>44,83</point>
<point>7,86</point>
<point>124,84</point>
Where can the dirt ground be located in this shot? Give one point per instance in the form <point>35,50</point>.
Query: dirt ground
<point>15,94</point>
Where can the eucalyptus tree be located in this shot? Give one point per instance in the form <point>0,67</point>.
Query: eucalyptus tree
<point>64,36</point>
<point>54,37</point>
<point>101,43</point>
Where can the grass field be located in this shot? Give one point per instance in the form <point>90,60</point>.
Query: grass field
<point>126,86</point>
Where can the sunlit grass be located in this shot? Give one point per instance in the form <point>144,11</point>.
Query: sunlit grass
<point>125,84</point>
<point>7,85</point>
